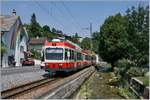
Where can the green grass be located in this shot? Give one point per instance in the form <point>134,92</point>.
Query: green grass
<point>144,79</point>
<point>124,92</point>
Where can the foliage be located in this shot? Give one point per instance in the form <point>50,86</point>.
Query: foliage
<point>75,38</point>
<point>36,55</point>
<point>125,37</point>
<point>138,29</point>
<point>125,92</point>
<point>3,48</point>
<point>46,28</point>
<point>121,69</point>
<point>146,81</point>
<point>113,43</point>
<point>86,43</point>
<point>95,41</point>
<point>54,30</point>
<point>35,28</point>
<point>135,72</point>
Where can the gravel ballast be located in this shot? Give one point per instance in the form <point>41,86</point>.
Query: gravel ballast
<point>12,80</point>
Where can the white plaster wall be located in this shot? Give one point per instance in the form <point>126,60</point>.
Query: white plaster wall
<point>6,38</point>
<point>17,58</point>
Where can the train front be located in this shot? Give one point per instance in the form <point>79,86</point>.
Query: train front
<point>53,57</point>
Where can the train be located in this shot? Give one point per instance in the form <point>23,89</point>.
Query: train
<point>64,56</point>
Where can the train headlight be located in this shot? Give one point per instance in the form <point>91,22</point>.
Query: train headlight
<point>60,65</point>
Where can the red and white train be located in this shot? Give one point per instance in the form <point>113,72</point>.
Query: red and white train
<point>65,56</point>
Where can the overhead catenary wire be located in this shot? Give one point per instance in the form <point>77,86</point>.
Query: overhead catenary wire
<point>62,12</point>
<point>76,24</point>
<point>72,16</point>
<point>48,12</point>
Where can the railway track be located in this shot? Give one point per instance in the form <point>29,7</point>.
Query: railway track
<point>37,88</point>
<point>13,92</point>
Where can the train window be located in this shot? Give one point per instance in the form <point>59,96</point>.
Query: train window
<point>66,54</point>
<point>86,57</point>
<point>54,53</point>
<point>78,56</point>
<point>70,54</point>
<point>75,55</point>
<point>83,57</point>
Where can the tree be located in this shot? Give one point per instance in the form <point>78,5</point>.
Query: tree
<point>35,28</point>
<point>59,31</point>
<point>113,43</point>
<point>46,28</point>
<point>46,31</point>
<point>95,41</point>
<point>53,30</point>
<point>75,38</point>
<point>138,29</point>
<point>86,43</point>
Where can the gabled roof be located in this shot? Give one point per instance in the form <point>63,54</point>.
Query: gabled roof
<point>35,41</point>
<point>7,21</point>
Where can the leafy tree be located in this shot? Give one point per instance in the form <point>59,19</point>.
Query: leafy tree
<point>113,43</point>
<point>138,29</point>
<point>46,28</point>
<point>59,31</point>
<point>95,41</point>
<point>75,38</point>
<point>86,43</point>
<point>46,31</point>
<point>53,30</point>
<point>35,28</point>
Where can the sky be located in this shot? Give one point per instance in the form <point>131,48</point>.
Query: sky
<point>69,16</point>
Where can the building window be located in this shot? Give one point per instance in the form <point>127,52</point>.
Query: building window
<point>21,49</point>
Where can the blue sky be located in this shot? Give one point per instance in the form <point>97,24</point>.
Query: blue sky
<point>55,14</point>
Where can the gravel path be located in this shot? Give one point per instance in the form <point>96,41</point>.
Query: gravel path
<point>9,81</point>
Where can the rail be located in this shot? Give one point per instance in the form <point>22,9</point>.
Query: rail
<point>38,88</point>
<point>9,93</point>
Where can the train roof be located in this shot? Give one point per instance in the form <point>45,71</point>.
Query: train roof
<point>61,42</point>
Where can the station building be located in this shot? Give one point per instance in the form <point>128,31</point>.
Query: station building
<point>14,38</point>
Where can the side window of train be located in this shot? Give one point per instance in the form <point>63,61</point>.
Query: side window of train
<point>79,56</point>
<point>66,54</point>
<point>83,57</point>
<point>86,57</point>
<point>70,54</point>
<point>75,58</point>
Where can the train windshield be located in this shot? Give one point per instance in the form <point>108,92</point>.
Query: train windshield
<point>54,53</point>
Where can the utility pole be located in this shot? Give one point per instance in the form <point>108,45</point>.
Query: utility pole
<point>91,35</point>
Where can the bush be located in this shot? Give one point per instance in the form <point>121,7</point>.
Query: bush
<point>124,92</point>
<point>135,72</point>
<point>36,55</point>
<point>146,82</point>
<point>122,66</point>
